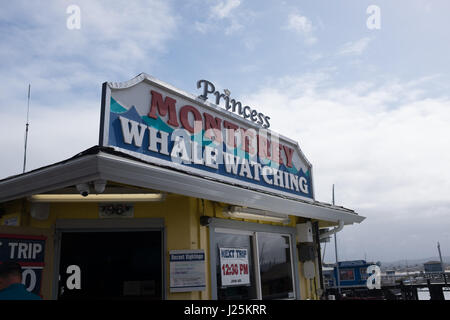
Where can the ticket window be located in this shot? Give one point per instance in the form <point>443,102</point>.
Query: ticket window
<point>111,265</point>
<point>270,278</point>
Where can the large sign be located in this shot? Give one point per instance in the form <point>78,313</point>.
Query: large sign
<point>28,251</point>
<point>234,268</point>
<point>155,122</point>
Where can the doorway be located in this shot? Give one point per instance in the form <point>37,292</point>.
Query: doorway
<point>113,265</point>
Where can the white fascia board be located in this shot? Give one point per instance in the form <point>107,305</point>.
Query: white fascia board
<point>47,179</point>
<point>119,169</point>
<point>124,170</point>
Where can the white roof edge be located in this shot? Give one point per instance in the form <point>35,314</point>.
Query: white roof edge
<point>58,175</point>
<point>147,175</point>
<point>120,169</point>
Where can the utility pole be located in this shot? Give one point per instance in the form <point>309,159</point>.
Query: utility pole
<point>337,259</point>
<point>442,263</point>
<point>407,273</point>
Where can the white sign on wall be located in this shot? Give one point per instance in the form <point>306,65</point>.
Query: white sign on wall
<point>234,267</point>
<point>187,270</point>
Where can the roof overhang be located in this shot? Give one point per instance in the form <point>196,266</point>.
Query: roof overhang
<point>105,163</point>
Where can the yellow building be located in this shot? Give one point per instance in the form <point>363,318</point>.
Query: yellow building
<point>182,199</point>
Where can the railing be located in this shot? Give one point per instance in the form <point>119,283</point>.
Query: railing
<point>416,278</point>
<point>407,279</point>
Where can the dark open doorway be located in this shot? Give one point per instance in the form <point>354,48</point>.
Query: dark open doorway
<point>113,265</point>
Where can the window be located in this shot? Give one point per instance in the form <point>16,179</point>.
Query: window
<point>268,257</point>
<point>364,274</point>
<point>275,266</point>
<point>346,275</point>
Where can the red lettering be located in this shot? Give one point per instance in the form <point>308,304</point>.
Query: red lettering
<point>276,149</point>
<point>164,107</point>
<point>288,152</point>
<point>247,140</point>
<point>184,117</point>
<point>231,133</point>
<point>215,124</point>
<point>263,147</point>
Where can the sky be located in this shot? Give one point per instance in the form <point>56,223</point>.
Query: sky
<point>363,86</point>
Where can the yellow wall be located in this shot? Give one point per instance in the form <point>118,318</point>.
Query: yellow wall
<point>13,211</point>
<point>183,232</point>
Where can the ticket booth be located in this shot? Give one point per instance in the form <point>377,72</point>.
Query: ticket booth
<point>185,197</point>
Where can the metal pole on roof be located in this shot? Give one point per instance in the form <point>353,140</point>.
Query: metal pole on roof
<point>338,281</point>
<point>26,130</point>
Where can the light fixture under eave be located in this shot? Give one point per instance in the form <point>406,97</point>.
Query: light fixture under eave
<point>126,197</point>
<point>255,214</point>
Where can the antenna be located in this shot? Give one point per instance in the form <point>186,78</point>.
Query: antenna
<point>26,130</point>
<point>332,195</point>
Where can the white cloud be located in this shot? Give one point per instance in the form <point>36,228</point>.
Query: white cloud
<point>385,146</point>
<point>233,27</point>
<point>54,134</point>
<point>302,26</point>
<point>66,67</point>
<point>314,57</point>
<point>221,16</point>
<point>355,48</point>
<point>251,42</point>
<point>202,27</point>
<point>114,36</point>
<point>224,8</point>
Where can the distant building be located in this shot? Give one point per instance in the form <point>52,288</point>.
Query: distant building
<point>388,278</point>
<point>351,274</point>
<point>432,266</point>
<point>390,272</point>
